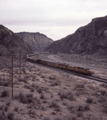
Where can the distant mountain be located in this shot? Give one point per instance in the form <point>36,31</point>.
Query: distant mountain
<point>36,41</point>
<point>89,39</point>
<point>9,40</point>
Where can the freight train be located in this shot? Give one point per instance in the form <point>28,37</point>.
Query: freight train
<point>61,66</point>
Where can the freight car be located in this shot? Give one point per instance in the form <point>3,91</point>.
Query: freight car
<point>62,66</point>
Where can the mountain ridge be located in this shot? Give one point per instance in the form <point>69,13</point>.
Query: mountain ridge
<point>9,40</point>
<point>35,40</point>
<point>89,39</point>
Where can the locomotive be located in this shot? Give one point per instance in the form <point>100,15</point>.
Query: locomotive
<point>61,66</point>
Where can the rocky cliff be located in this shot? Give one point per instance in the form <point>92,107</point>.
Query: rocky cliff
<point>88,39</point>
<point>9,41</point>
<point>36,41</point>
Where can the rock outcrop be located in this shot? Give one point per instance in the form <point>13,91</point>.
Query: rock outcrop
<point>10,41</point>
<point>36,41</point>
<point>89,39</point>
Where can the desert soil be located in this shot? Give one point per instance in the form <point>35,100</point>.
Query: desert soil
<point>42,93</point>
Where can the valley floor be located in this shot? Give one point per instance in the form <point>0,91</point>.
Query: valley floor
<point>45,94</point>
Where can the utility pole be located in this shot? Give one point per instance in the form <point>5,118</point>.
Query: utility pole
<point>12,52</point>
<point>20,61</point>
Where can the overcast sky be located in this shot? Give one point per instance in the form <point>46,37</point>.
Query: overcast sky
<point>54,18</point>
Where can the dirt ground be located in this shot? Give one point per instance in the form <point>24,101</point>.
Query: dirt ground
<point>42,93</point>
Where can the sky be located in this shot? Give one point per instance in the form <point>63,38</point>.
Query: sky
<point>54,18</point>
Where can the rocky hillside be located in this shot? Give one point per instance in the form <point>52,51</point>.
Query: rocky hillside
<point>36,41</point>
<point>88,39</point>
<point>9,40</point>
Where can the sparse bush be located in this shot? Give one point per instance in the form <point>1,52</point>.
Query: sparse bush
<point>102,99</point>
<point>32,90</point>
<point>57,118</point>
<point>8,103</point>
<point>17,119</point>
<point>1,107</point>
<point>86,107</point>
<point>44,101</point>
<point>80,108</point>
<point>67,95</point>
<point>4,93</point>
<point>105,108</point>
<point>33,85</point>
<point>80,86</point>
<point>27,87</point>
<point>52,77</point>
<point>104,85</point>
<point>41,89</point>
<point>37,100</point>
<point>53,105</point>
<point>22,80</point>
<point>80,114</point>
<point>83,108</point>
<point>42,96</point>
<point>10,116</point>
<point>55,84</point>
<point>46,118</point>
<point>16,109</point>
<point>6,108</point>
<point>4,83</point>
<point>31,112</point>
<point>28,98</point>
<point>73,118</point>
<point>89,100</point>
<point>2,117</point>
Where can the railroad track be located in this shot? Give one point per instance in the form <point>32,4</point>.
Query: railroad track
<point>73,73</point>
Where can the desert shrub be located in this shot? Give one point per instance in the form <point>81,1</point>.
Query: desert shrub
<point>74,118</point>
<point>22,80</point>
<point>80,86</point>
<point>46,118</point>
<point>105,108</point>
<point>80,114</point>
<point>4,83</point>
<point>37,100</point>
<point>86,107</point>
<point>26,98</point>
<point>2,117</point>
<point>4,93</point>
<point>102,99</point>
<point>57,118</point>
<point>31,112</point>
<point>67,95</point>
<point>42,76</point>
<point>1,107</point>
<point>27,87</point>
<point>17,119</point>
<point>8,103</point>
<point>53,105</point>
<point>34,85</point>
<point>41,89</point>
<point>57,109</point>
<point>55,84</point>
<point>89,100</point>
<point>32,89</point>
<point>16,109</point>
<point>104,85</point>
<point>82,108</point>
<point>10,116</point>
<point>52,77</point>
<point>42,96</point>
<point>79,108</point>
<point>6,108</point>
